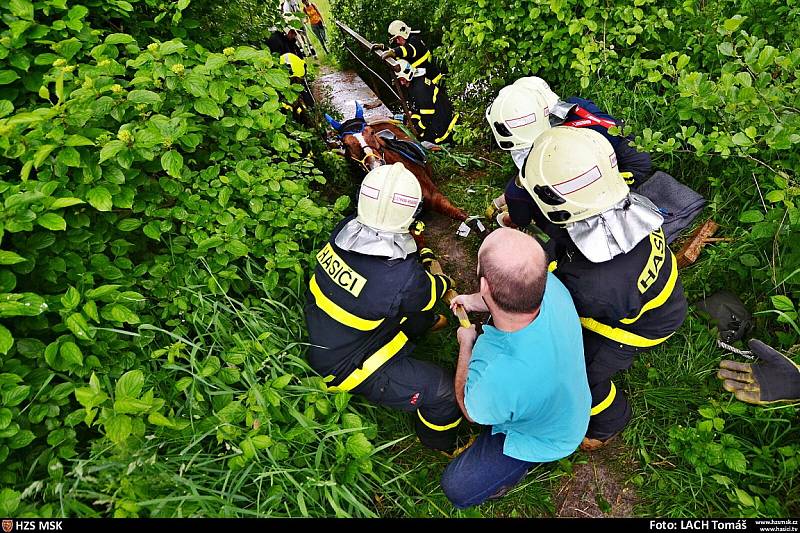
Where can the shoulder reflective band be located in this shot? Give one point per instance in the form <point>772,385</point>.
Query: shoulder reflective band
<point>373,363</point>
<point>662,297</point>
<point>404,51</point>
<point>620,335</point>
<point>426,56</point>
<point>437,427</point>
<point>414,52</point>
<point>437,78</point>
<point>433,293</point>
<point>589,119</point>
<point>337,313</point>
<point>449,129</point>
<point>552,266</point>
<point>605,404</point>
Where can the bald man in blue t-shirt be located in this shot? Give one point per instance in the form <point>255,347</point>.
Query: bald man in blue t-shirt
<point>524,376</point>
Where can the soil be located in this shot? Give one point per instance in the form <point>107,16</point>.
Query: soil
<point>598,488</point>
<point>452,251</point>
<point>341,88</point>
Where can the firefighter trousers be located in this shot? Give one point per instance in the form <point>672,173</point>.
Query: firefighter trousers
<point>408,384</point>
<point>610,409</point>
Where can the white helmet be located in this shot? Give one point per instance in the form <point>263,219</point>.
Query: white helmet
<point>398,28</point>
<point>572,174</point>
<point>518,116</point>
<point>538,84</point>
<point>406,72</point>
<point>389,199</point>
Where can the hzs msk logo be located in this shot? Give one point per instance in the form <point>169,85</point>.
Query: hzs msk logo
<point>8,526</point>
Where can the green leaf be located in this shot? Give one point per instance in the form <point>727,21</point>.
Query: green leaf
<point>111,149</point>
<point>741,139</point>
<point>15,395</point>
<point>120,313</point>
<point>78,140</point>
<point>71,299</point>
<point>78,325</point>
<point>52,222</point>
<point>157,419</point>
<point>24,10</point>
<point>281,382</point>
<point>206,244</point>
<point>130,384</point>
<point>735,460</point>
<point>6,340</point>
<point>237,248</point>
<point>42,153</point>
<point>103,290</point>
<point>751,216</point>
<point>152,230</point>
<point>100,198</point>
<point>119,38</point>
<point>129,224</point>
<point>118,428</point>
<point>131,406</point>
<point>5,417</point>
<point>172,162</point>
<point>782,303</point>
<point>775,196</point>
<point>141,96</point>
<point>749,260</point>
<point>6,108</point>
<point>8,76</point>
<point>207,106</point>
<point>68,201</point>
<point>358,446</point>
<point>744,498</point>
<point>21,439</point>
<point>10,258</point>
<point>732,24</point>
<point>71,354</point>
<point>70,157</point>
<point>170,47</point>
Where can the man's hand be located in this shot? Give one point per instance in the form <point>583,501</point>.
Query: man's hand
<point>774,378</point>
<point>377,46</point>
<point>387,54</point>
<point>466,337</point>
<point>470,302</point>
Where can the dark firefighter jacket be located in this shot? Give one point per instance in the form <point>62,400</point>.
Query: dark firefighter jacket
<point>354,307</point>
<point>280,44</point>
<point>586,115</point>
<point>433,113</point>
<point>635,299</point>
<point>416,52</point>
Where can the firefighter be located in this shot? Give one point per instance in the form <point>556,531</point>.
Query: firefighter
<point>408,45</point>
<point>524,110</point>
<point>370,299</point>
<point>433,114</point>
<point>607,247</point>
<point>297,72</point>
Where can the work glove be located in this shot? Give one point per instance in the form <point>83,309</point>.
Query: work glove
<point>426,256</point>
<point>494,207</point>
<point>377,46</point>
<point>728,314</point>
<point>387,54</point>
<point>773,378</point>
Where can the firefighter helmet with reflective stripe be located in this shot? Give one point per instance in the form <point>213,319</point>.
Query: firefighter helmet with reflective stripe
<point>406,72</point>
<point>572,174</point>
<point>538,84</point>
<point>398,28</point>
<point>518,116</point>
<point>297,67</point>
<point>389,198</point>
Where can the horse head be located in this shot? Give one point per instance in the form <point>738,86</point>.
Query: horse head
<point>360,142</point>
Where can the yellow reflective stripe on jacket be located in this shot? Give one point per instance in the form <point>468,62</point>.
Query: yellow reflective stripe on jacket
<point>552,266</point>
<point>433,293</point>
<point>620,335</point>
<point>404,51</point>
<point>602,406</point>
<point>449,129</point>
<point>437,78</point>
<point>413,48</point>
<point>437,427</point>
<point>662,297</point>
<point>337,313</point>
<point>435,94</point>
<point>422,59</point>
<point>427,111</point>
<point>373,363</point>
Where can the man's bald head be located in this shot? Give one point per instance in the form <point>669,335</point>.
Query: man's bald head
<point>514,266</point>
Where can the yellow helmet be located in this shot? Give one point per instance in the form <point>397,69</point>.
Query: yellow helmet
<point>297,67</point>
<point>389,198</point>
<point>518,116</point>
<point>572,174</point>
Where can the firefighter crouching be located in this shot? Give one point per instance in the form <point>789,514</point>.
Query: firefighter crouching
<point>432,115</point>
<point>609,250</point>
<point>371,298</point>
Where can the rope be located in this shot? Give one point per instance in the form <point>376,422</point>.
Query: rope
<point>732,349</point>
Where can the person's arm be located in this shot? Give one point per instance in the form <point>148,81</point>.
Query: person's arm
<point>466,340</point>
<point>470,302</point>
<point>422,290</point>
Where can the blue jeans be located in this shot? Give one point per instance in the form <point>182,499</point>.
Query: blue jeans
<point>482,471</point>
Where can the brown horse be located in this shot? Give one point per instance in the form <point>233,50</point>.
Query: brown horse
<point>380,142</point>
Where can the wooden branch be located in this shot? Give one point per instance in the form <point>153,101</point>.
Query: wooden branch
<point>690,251</point>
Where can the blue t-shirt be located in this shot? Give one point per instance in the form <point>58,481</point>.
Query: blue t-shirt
<point>531,384</point>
